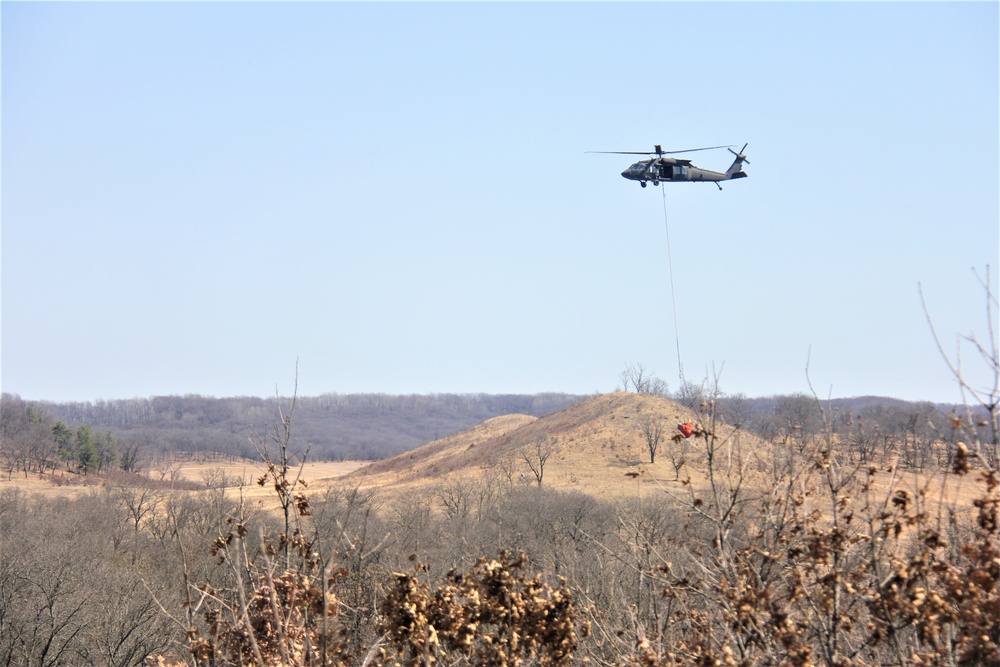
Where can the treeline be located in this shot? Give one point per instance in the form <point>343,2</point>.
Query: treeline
<point>332,426</point>
<point>917,435</point>
<point>32,441</point>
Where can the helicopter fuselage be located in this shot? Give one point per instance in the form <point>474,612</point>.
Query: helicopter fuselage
<point>659,169</point>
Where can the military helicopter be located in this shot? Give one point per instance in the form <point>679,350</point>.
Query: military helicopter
<point>662,168</point>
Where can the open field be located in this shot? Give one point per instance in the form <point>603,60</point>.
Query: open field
<point>198,471</point>
<point>187,475</point>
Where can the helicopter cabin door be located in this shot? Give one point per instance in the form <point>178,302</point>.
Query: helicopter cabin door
<point>673,172</point>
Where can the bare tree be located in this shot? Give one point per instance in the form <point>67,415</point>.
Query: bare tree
<point>456,496</point>
<point>802,417</point>
<point>862,439</point>
<point>736,409</point>
<point>986,396</point>
<point>676,450</point>
<point>504,467</point>
<point>692,396</point>
<point>537,454</point>
<point>140,502</point>
<point>280,462</point>
<point>652,429</point>
<point>637,378</point>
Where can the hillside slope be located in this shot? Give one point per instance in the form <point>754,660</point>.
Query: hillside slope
<point>599,447</point>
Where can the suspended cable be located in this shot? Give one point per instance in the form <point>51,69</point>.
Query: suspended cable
<point>673,297</point>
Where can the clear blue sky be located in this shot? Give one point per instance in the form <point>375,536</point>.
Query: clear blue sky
<point>195,196</point>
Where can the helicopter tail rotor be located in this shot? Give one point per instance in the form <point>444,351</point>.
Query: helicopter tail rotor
<point>740,155</point>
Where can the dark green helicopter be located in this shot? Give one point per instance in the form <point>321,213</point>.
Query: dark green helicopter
<point>662,168</point>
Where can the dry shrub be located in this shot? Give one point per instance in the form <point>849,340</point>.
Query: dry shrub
<point>283,626</point>
<point>857,583</point>
<point>950,597</point>
<point>493,616</point>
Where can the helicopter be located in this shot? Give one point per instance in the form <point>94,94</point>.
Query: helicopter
<point>662,168</point>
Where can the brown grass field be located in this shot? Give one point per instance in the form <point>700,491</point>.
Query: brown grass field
<point>188,474</point>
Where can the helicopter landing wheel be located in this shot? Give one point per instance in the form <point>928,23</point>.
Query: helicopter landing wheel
<point>656,182</point>
<point>642,183</point>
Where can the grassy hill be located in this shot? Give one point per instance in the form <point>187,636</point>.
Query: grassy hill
<point>598,446</point>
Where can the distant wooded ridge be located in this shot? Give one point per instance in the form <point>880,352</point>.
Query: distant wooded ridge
<point>332,426</point>
<point>374,426</point>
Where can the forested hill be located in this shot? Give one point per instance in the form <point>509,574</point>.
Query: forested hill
<point>333,426</point>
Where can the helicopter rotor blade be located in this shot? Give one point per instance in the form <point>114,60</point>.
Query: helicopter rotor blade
<point>658,150</point>
<point>694,150</point>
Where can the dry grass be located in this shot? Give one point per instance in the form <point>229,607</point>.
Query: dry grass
<point>248,469</point>
<point>600,450</point>
<point>60,484</point>
<point>186,475</point>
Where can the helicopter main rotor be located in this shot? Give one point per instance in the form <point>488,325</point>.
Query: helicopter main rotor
<point>658,151</point>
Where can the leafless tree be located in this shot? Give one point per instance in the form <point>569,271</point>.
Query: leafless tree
<point>637,378</point>
<point>652,429</point>
<point>67,595</point>
<point>691,395</point>
<point>735,409</point>
<point>863,439</point>
<point>503,467</point>
<point>537,455</point>
<point>676,450</point>
<point>802,419</point>
<point>456,497</point>
<point>284,468</point>
<point>986,397</point>
<point>140,502</point>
